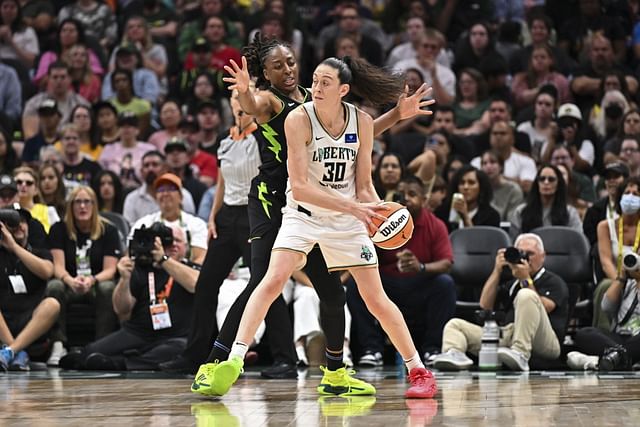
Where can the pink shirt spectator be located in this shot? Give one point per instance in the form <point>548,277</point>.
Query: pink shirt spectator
<point>125,161</point>
<point>50,57</point>
<point>159,139</point>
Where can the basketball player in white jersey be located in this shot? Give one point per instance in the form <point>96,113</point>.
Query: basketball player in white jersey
<point>331,201</point>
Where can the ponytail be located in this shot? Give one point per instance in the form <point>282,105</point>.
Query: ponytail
<point>373,84</point>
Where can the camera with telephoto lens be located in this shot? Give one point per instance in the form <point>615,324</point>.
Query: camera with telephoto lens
<point>514,255</point>
<point>143,240</point>
<point>631,261</point>
<point>10,218</point>
<point>615,359</point>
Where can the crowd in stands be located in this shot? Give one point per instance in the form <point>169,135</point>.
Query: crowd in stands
<point>112,115</point>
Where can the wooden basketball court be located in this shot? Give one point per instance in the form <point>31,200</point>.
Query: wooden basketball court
<point>68,398</point>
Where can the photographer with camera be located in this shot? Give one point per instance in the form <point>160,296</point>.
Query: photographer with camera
<point>168,189</point>
<point>8,196</point>
<point>154,298</point>
<point>536,304</point>
<point>616,297</point>
<point>85,251</point>
<point>25,315</point>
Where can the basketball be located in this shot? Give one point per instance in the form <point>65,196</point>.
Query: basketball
<point>396,230</point>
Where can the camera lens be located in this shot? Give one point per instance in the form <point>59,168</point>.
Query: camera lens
<point>512,255</point>
<point>631,261</point>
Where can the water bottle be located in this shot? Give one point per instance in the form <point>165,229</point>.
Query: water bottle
<point>488,356</point>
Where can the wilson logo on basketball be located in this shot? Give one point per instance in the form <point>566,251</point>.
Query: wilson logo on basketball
<point>396,230</point>
<point>392,225</point>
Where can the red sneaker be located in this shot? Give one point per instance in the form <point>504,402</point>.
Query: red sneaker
<point>423,384</point>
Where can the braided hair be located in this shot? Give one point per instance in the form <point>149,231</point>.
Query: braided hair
<point>256,53</point>
<point>374,84</point>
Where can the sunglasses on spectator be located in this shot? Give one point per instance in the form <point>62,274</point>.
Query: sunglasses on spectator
<point>547,178</point>
<point>79,202</point>
<point>24,182</point>
<point>166,189</point>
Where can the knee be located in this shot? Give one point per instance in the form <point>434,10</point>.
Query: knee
<point>50,306</point>
<point>377,304</point>
<point>445,284</point>
<point>453,325</point>
<point>526,296</point>
<point>105,288</point>
<point>56,289</point>
<point>273,283</point>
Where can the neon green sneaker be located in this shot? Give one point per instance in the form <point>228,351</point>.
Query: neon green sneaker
<point>350,406</point>
<point>202,382</point>
<point>215,379</point>
<point>341,383</point>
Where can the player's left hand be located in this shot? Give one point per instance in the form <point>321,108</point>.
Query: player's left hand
<point>409,106</point>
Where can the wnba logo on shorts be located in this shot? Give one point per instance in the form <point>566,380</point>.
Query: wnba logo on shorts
<point>392,225</point>
<point>366,253</point>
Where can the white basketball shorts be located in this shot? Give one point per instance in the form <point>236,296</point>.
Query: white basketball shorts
<point>343,240</point>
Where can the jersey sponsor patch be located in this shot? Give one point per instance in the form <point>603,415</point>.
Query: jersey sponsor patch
<point>350,138</point>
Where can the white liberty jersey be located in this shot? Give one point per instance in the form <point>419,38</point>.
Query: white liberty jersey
<point>332,161</point>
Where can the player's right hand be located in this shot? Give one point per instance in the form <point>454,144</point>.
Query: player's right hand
<point>240,78</point>
<point>366,212</point>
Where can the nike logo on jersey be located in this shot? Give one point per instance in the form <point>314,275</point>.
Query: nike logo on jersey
<point>291,104</point>
<point>319,137</point>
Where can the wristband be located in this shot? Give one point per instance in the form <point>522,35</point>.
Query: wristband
<point>526,283</point>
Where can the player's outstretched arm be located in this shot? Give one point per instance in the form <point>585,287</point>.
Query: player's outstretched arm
<point>407,107</point>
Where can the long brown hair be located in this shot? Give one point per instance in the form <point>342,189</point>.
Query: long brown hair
<point>58,201</point>
<point>367,81</point>
<point>97,223</point>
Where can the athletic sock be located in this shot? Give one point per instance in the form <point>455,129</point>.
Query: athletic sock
<point>334,359</point>
<point>239,349</point>
<point>220,352</point>
<point>414,362</point>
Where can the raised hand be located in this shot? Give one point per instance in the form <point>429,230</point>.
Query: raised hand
<point>240,78</point>
<point>409,106</point>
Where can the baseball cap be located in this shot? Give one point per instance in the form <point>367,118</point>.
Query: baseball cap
<point>24,214</point>
<point>7,182</point>
<point>167,178</point>
<point>48,106</point>
<point>616,168</point>
<point>569,110</point>
<point>201,44</point>
<point>176,143</point>
<point>128,118</point>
